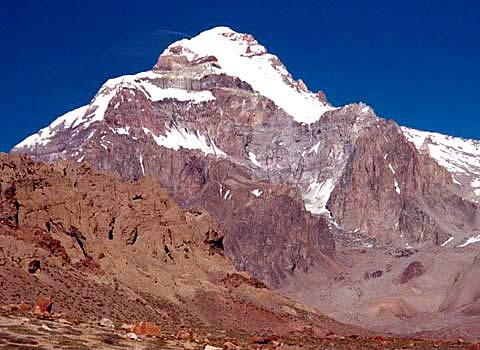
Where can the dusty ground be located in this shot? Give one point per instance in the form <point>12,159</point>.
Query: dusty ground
<point>28,332</point>
<point>431,291</point>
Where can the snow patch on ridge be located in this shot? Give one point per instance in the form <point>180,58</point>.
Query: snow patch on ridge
<point>227,195</point>
<point>182,138</point>
<point>241,56</point>
<point>397,188</point>
<point>42,137</point>
<point>317,195</point>
<point>157,94</point>
<point>391,168</point>
<point>459,156</point>
<point>137,82</point>
<point>314,148</point>
<point>141,164</point>
<point>256,192</point>
<point>253,159</point>
<point>96,110</point>
<point>395,183</point>
<point>447,241</point>
<point>455,154</point>
<point>471,240</point>
<point>122,131</point>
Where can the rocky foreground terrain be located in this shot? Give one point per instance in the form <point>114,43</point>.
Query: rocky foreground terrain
<point>90,261</point>
<point>337,208</point>
<point>19,332</point>
<point>101,247</point>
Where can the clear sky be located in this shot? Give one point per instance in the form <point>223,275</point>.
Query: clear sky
<point>414,61</point>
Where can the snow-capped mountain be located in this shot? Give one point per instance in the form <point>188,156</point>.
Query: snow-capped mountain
<point>222,124</point>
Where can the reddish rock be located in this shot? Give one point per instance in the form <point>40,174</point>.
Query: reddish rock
<point>166,235</point>
<point>321,96</point>
<point>43,306</point>
<point>302,86</point>
<point>24,307</point>
<point>230,346</point>
<point>260,340</point>
<point>33,266</point>
<point>183,335</point>
<point>382,186</point>
<point>415,269</point>
<point>395,181</point>
<point>374,274</point>
<point>146,329</point>
<point>235,280</point>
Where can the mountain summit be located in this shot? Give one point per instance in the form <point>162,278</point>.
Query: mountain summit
<point>240,55</point>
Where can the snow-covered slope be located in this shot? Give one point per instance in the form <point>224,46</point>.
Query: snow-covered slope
<point>180,138</point>
<point>43,136</point>
<point>459,156</point>
<point>240,55</point>
<point>95,111</point>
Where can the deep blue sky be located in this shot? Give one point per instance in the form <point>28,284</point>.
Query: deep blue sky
<point>414,61</point>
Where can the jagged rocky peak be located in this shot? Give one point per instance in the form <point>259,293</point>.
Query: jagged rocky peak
<point>223,51</point>
<point>211,41</point>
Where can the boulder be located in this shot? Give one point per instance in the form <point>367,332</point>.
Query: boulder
<point>43,306</point>
<point>414,269</point>
<point>230,346</point>
<point>33,266</point>
<point>209,347</point>
<point>107,323</point>
<point>183,335</point>
<point>146,329</point>
<point>132,336</point>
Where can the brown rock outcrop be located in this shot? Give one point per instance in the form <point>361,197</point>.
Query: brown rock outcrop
<point>43,306</point>
<point>33,266</point>
<point>403,196</point>
<point>146,329</point>
<point>414,269</point>
<point>171,273</point>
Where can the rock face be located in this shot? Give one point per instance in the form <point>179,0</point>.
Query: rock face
<point>409,197</point>
<point>223,126</point>
<point>126,252</point>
